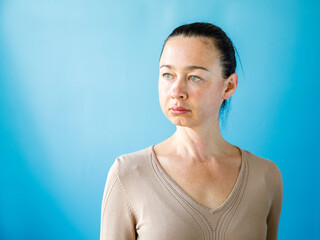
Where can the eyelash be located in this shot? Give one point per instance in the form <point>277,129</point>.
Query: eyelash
<point>164,75</point>
<point>198,78</point>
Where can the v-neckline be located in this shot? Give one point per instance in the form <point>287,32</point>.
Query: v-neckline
<point>188,198</point>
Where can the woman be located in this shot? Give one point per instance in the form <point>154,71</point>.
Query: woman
<point>194,185</point>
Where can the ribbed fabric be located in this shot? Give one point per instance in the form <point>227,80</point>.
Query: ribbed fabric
<point>141,201</point>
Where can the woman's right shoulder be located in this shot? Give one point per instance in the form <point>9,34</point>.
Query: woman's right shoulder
<point>128,163</point>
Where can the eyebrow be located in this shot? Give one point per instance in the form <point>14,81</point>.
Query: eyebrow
<point>189,67</point>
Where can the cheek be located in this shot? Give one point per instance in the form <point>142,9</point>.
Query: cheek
<point>207,101</point>
<point>163,94</point>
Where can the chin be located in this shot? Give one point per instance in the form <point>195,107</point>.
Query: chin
<point>180,122</point>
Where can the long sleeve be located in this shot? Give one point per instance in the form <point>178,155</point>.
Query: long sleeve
<point>275,209</point>
<point>117,222</point>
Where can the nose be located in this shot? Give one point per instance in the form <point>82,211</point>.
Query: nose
<point>178,89</point>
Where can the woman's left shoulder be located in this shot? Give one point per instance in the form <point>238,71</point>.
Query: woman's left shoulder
<point>262,166</point>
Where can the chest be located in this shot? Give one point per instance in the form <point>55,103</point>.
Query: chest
<point>207,184</point>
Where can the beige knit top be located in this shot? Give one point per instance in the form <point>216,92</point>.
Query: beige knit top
<point>141,201</point>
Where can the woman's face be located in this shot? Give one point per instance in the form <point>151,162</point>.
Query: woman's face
<point>190,76</point>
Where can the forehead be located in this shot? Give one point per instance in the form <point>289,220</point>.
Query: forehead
<point>189,50</point>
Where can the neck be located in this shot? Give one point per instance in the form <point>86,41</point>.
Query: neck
<point>199,144</point>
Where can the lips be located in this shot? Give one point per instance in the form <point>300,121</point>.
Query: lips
<point>179,108</point>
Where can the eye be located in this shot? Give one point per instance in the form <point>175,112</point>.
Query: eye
<point>167,76</point>
<point>194,78</point>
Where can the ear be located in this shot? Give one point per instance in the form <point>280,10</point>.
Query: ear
<point>230,85</point>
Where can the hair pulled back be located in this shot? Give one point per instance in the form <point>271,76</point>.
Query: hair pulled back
<point>220,40</point>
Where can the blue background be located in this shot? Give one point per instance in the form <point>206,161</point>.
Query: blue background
<point>78,87</point>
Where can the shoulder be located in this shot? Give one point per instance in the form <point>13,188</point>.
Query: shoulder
<point>262,165</point>
<point>129,164</point>
<point>263,171</point>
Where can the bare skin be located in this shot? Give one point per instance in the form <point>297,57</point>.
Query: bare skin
<point>196,156</point>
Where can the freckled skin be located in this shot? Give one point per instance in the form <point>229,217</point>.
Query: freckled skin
<point>196,156</point>
<point>177,86</point>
